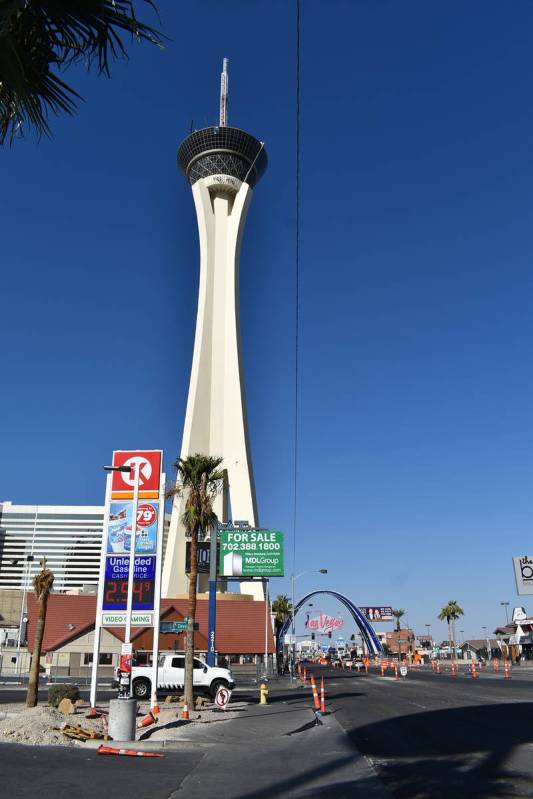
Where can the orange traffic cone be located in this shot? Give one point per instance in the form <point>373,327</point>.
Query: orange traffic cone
<point>185,712</point>
<point>506,670</point>
<point>382,668</point>
<point>495,664</point>
<point>147,721</point>
<point>305,676</point>
<point>473,672</point>
<point>438,667</point>
<point>454,669</point>
<point>322,698</point>
<point>396,676</point>
<point>109,750</point>
<point>432,665</point>
<point>315,693</point>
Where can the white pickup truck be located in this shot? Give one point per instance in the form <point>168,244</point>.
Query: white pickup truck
<point>170,677</point>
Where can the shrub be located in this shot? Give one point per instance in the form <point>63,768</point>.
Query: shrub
<point>58,692</point>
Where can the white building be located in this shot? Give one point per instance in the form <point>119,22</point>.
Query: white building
<point>69,536</point>
<point>222,165</point>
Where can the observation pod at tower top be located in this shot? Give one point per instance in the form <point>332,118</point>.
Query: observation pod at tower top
<point>228,156</point>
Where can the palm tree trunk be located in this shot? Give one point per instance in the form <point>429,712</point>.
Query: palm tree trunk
<point>450,636</point>
<point>33,684</point>
<point>189,645</point>
<point>453,639</point>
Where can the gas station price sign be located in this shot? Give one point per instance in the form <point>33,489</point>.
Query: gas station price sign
<point>116,583</point>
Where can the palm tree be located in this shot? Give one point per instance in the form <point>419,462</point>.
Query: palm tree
<point>282,608</point>
<point>451,612</point>
<point>42,584</point>
<point>199,480</point>
<point>398,615</point>
<point>38,38</point>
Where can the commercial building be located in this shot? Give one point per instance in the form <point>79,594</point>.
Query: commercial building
<point>69,536</point>
<point>244,630</point>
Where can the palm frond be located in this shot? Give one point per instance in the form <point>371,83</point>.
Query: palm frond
<point>40,37</point>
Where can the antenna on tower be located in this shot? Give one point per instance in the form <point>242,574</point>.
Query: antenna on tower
<point>224,94</point>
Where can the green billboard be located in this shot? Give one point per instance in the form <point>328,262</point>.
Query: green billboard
<point>251,553</point>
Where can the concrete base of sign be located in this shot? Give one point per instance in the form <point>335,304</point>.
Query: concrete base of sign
<point>122,719</point>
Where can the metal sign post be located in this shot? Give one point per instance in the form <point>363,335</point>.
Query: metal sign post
<point>157,598</point>
<point>211,627</point>
<point>100,595</point>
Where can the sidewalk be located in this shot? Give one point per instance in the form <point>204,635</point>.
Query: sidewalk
<point>272,751</point>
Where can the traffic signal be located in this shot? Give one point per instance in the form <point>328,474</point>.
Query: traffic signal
<point>329,634</point>
<point>312,636</point>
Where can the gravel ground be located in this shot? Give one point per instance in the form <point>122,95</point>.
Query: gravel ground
<point>35,726</point>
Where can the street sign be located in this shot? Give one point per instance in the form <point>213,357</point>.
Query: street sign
<point>222,697</point>
<point>523,573</point>
<point>403,671</point>
<point>251,553</point>
<point>173,626</point>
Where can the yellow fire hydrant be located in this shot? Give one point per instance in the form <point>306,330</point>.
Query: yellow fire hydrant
<point>263,694</point>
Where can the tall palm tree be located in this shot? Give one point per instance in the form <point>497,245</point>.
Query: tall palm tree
<point>42,585</point>
<point>398,615</point>
<point>451,613</point>
<point>281,607</point>
<point>199,480</point>
<point>38,38</point>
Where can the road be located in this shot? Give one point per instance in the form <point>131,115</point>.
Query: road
<point>427,736</point>
<point>436,736</point>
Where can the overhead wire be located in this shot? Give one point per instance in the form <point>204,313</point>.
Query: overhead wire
<point>297,292</point>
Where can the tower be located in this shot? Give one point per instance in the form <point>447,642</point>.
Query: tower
<point>222,165</point>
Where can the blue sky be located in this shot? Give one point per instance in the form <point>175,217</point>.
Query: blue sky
<point>415,469</point>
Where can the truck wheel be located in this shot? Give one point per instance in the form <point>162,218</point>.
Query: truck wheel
<point>141,688</point>
<point>215,685</point>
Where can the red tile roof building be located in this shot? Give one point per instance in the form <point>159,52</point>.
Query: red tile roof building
<point>241,625</point>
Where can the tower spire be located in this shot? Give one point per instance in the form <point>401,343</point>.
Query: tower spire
<point>224,94</point>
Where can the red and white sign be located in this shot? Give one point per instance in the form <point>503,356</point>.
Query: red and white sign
<point>324,623</point>
<point>222,697</point>
<point>148,462</point>
<point>146,515</point>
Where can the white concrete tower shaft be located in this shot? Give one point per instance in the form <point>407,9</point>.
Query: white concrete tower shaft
<point>221,164</point>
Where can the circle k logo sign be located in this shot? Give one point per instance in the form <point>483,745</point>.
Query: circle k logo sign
<point>148,463</point>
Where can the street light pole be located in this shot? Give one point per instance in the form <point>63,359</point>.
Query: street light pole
<point>136,477</point>
<point>25,580</point>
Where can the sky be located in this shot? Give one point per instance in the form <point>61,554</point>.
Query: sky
<point>415,289</point>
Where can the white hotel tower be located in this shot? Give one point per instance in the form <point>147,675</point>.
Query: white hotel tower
<point>222,165</point>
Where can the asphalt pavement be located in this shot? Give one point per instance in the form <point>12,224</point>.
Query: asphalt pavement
<point>434,735</point>
<point>428,735</point>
